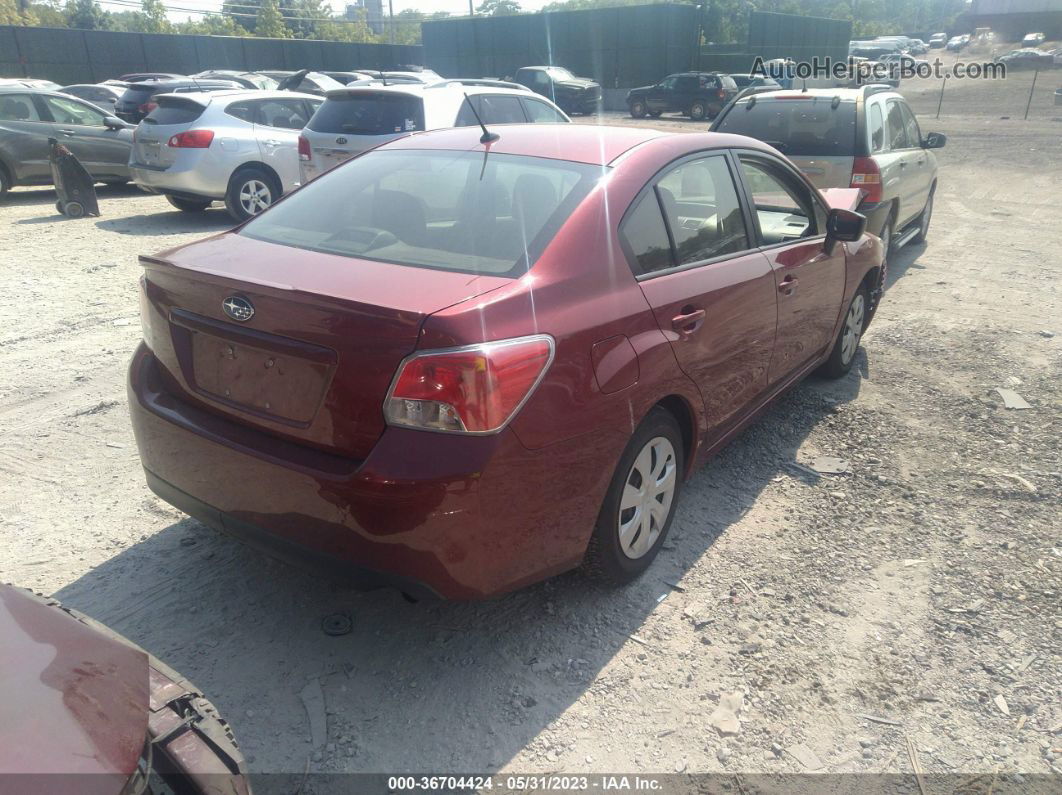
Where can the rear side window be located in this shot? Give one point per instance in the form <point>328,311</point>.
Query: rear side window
<point>18,107</point>
<point>174,111</point>
<point>801,127</point>
<point>369,113</point>
<point>445,210</point>
<point>285,114</point>
<point>646,237</point>
<point>702,211</point>
<point>876,123</point>
<point>244,111</point>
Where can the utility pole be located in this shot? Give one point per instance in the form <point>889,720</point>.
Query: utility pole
<point>471,10</point>
<point>391,12</point>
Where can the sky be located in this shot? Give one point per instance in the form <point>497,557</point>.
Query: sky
<point>453,6</point>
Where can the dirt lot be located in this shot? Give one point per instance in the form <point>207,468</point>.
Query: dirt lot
<point>921,589</point>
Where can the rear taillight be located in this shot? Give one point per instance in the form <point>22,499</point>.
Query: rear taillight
<point>867,177</point>
<point>191,139</point>
<point>304,148</point>
<point>474,389</point>
<point>147,107</point>
<point>720,93</point>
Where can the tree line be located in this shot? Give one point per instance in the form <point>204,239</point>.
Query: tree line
<point>724,20</point>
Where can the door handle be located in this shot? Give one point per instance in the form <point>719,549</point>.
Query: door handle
<point>67,132</point>
<point>788,285</point>
<point>688,321</point>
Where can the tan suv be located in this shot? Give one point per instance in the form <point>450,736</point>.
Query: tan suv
<point>865,138</point>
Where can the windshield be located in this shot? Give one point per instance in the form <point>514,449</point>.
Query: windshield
<point>812,126</point>
<point>447,210</point>
<point>559,73</point>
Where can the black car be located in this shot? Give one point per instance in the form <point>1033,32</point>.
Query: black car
<point>101,95</point>
<point>137,100</point>
<point>252,80</point>
<point>573,94</point>
<point>698,95</point>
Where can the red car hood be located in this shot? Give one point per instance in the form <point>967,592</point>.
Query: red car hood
<point>72,700</point>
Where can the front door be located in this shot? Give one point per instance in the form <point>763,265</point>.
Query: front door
<point>24,135</point>
<point>712,293</point>
<point>790,225</point>
<point>660,97</point>
<point>103,151</point>
<point>277,124</point>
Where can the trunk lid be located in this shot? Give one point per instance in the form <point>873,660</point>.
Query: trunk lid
<point>173,115</point>
<point>322,339</point>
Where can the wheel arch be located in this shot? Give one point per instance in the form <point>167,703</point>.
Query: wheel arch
<point>680,409</point>
<point>258,164</point>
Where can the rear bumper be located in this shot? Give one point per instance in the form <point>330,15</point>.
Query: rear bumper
<point>456,517</point>
<point>189,176</point>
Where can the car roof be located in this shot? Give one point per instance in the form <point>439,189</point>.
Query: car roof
<point>206,97</point>
<point>845,94</point>
<point>581,143</point>
<point>429,89</point>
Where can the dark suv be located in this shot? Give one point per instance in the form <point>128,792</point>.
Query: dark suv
<point>698,95</point>
<point>139,98</point>
<point>573,94</point>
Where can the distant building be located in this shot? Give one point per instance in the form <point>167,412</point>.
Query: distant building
<point>374,14</point>
<point>1014,18</point>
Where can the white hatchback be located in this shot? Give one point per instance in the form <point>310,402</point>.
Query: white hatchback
<point>239,147</point>
<point>360,117</point>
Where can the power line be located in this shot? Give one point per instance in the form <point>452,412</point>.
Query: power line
<point>183,10</point>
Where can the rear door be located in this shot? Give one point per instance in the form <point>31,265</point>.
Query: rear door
<point>711,291</point>
<point>24,134</point>
<point>103,151</point>
<point>789,221</point>
<point>686,88</point>
<point>277,124</point>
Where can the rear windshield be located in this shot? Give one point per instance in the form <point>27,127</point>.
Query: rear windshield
<point>369,113</point>
<point>138,92</point>
<point>796,127</point>
<point>446,210</point>
<point>174,111</point>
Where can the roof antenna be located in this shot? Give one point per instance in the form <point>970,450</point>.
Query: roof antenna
<point>488,136</point>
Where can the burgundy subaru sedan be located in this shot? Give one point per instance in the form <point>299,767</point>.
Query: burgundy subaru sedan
<point>461,364</point>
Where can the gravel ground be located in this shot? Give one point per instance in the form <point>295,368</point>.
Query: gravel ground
<point>791,623</point>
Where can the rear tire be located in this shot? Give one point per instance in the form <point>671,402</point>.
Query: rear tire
<point>189,205</point>
<point>640,502</point>
<point>638,109</point>
<point>698,110</point>
<point>5,181</point>
<point>886,238</point>
<point>923,221</point>
<point>251,191</point>
<point>849,336</point>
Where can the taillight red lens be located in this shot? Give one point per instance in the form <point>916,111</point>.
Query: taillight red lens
<point>191,139</point>
<point>476,389</point>
<point>304,148</point>
<point>147,107</point>
<point>867,177</point>
<point>720,93</point>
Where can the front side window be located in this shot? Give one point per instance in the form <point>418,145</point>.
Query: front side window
<point>18,107</point>
<point>914,135</point>
<point>541,113</point>
<point>668,84</point>
<point>784,208</point>
<point>68,111</point>
<point>501,109</point>
<point>702,211</point>
<point>285,114</point>
<point>447,210</point>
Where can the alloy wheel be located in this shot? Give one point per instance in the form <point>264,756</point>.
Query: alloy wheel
<point>255,196</point>
<point>853,328</point>
<point>646,498</point>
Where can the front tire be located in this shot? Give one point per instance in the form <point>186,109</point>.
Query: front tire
<point>189,205</point>
<point>251,191</point>
<point>843,355</point>
<point>640,502</point>
<point>638,109</point>
<point>698,110</point>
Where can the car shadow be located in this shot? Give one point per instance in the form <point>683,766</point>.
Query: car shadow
<point>428,686</point>
<point>903,260</point>
<point>169,223</point>
<point>28,197</point>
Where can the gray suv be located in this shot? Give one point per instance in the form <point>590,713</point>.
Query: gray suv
<point>29,117</point>
<point>864,138</point>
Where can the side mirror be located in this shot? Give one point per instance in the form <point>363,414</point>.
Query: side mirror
<point>113,123</point>
<point>934,141</point>
<point>844,226</point>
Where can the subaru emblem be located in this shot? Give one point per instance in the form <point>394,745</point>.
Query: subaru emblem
<point>238,308</point>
